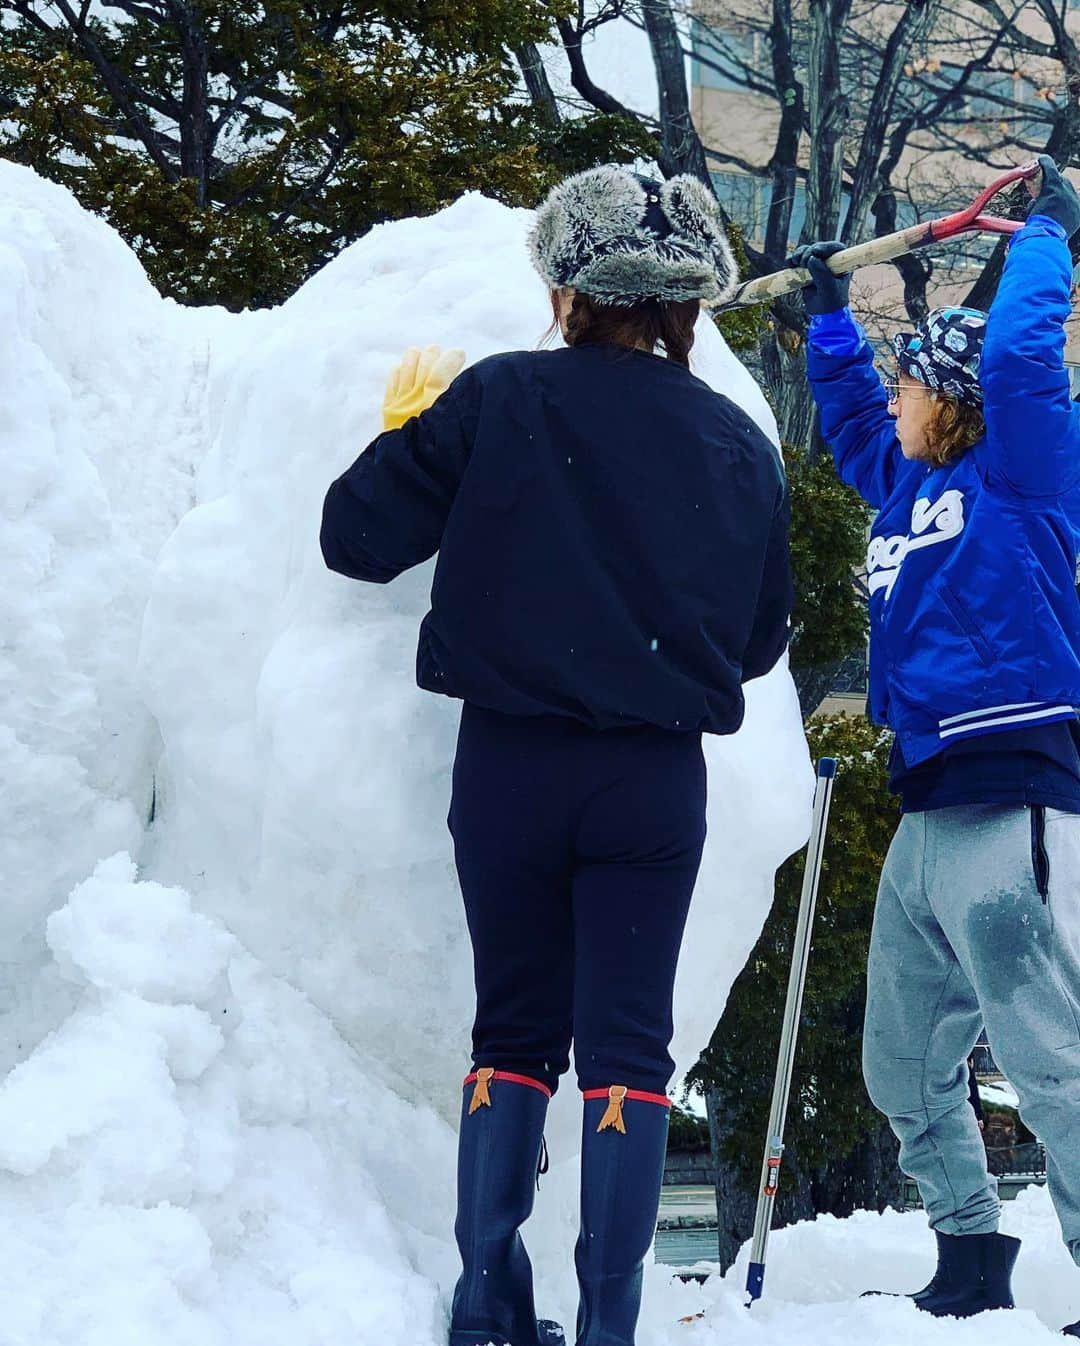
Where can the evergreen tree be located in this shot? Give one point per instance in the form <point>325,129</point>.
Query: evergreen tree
<point>239,147</point>
<point>829,523</point>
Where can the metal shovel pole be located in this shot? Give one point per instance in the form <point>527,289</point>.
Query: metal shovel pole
<point>800,954</point>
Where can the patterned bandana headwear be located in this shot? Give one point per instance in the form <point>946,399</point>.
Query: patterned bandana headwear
<point>945,352</point>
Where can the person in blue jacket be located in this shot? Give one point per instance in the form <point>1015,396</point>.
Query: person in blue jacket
<point>612,567</point>
<point>970,456</point>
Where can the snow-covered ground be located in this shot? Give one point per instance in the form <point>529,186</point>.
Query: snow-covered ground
<point>233,1020</point>
<point>1000,1093</point>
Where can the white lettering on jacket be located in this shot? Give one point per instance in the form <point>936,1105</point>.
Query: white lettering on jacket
<point>932,521</point>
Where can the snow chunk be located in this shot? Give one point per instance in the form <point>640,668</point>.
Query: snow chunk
<point>141,938</point>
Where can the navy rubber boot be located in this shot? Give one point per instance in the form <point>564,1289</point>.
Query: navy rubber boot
<point>499,1151</point>
<point>624,1139</point>
<point>974,1275</point>
<point>939,1282</point>
<point>1073,1330</point>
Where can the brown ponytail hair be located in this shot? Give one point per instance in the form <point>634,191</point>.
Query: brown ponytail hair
<point>645,325</point>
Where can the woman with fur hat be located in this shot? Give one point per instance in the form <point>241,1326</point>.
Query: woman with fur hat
<point>970,455</point>
<point>612,539</point>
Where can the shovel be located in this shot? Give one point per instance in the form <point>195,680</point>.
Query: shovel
<point>971,220</point>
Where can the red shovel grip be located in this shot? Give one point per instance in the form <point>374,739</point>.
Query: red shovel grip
<point>972,218</point>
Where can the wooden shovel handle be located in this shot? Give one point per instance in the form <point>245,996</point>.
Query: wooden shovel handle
<point>971,220</point>
<point>875,250</point>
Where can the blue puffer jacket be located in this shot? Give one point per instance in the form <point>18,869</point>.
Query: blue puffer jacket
<point>974,618</point>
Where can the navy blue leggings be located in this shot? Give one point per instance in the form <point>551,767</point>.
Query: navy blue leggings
<point>577,851</point>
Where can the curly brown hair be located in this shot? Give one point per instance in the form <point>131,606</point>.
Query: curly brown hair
<point>646,325</point>
<point>951,429</point>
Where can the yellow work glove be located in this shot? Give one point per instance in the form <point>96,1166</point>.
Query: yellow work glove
<point>421,377</point>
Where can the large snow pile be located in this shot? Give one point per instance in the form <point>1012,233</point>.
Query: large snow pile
<point>101,422</point>
<point>237,983</point>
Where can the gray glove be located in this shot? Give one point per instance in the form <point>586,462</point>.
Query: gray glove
<point>825,293</point>
<point>1058,199</point>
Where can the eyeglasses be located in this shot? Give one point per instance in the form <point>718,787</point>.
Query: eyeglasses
<point>894,392</point>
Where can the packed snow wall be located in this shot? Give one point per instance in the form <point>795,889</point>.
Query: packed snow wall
<point>297,779</point>
<point>281,991</point>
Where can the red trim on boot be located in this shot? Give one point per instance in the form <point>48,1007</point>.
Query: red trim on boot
<point>510,1078</point>
<point>616,1096</point>
<point>638,1095</point>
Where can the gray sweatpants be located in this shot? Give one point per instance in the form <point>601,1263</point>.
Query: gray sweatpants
<point>978,921</point>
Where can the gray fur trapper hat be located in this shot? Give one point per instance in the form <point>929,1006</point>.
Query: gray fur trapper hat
<point>621,238</point>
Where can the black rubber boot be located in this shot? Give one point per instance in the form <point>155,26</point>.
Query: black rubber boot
<point>974,1274</point>
<point>1073,1330</point>
<point>940,1283</point>
<point>499,1150</point>
<point>624,1139</point>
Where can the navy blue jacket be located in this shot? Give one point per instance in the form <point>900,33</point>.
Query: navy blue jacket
<point>612,539</point>
<point>974,619</point>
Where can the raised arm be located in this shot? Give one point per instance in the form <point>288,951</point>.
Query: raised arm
<point>854,411</point>
<point>855,419</point>
<point>1032,442</point>
<point>387,512</point>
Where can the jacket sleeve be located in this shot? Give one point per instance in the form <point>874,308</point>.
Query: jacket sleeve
<point>1032,441</point>
<point>387,512</point>
<point>854,410</point>
<point>772,627</point>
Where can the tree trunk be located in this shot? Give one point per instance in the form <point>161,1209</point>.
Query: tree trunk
<point>735,1203</point>
<point>914,23</point>
<point>866,1179</point>
<point>783,358</point>
<point>682,151</point>
<point>828,109</point>
<point>785,157</point>
<point>536,81</point>
<point>195,132</point>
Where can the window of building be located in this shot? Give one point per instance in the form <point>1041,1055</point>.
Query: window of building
<point>985,89</point>
<point>988,94</point>
<point>718,59</point>
<point>798,211</point>
<point>746,200</point>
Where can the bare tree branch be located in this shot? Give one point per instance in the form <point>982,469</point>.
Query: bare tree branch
<point>579,75</point>
<point>136,11</point>
<point>828,107</point>
<point>914,23</point>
